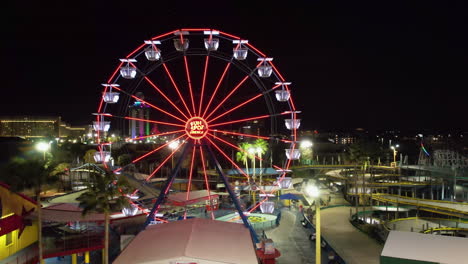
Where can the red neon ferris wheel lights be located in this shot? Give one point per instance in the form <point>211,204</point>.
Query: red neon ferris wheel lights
<point>196,127</point>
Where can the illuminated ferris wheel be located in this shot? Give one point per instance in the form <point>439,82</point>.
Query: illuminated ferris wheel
<point>202,92</point>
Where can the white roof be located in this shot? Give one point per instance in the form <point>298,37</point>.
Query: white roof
<point>197,240</point>
<point>425,247</point>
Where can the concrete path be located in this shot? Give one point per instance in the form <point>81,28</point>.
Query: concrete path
<point>351,244</point>
<point>292,240</point>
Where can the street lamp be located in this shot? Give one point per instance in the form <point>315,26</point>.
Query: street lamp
<point>313,191</point>
<point>173,145</point>
<point>43,147</point>
<point>394,148</point>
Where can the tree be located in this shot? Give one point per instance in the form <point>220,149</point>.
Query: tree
<point>261,146</point>
<point>104,195</point>
<point>30,174</point>
<point>362,151</point>
<point>89,156</point>
<point>243,155</point>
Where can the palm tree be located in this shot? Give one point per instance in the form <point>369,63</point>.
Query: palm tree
<point>261,146</point>
<point>104,195</point>
<point>30,174</point>
<point>243,155</point>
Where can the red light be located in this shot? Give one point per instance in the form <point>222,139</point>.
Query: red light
<point>196,127</point>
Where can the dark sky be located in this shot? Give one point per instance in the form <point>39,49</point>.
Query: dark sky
<point>371,64</point>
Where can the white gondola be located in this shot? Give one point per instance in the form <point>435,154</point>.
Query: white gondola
<point>101,125</point>
<point>240,52</point>
<point>285,183</point>
<point>293,154</point>
<point>283,94</point>
<point>152,53</point>
<point>128,71</point>
<point>130,210</point>
<point>181,44</point>
<point>103,156</point>
<point>267,207</point>
<point>111,97</point>
<point>292,123</point>
<point>265,70</point>
<point>211,44</point>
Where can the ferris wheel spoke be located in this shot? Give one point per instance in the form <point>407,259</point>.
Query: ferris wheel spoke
<point>206,181</point>
<point>230,94</point>
<point>176,88</point>
<point>143,120</point>
<point>189,185</point>
<point>217,87</point>
<point>189,80</point>
<point>156,135</point>
<point>247,135</point>
<point>203,85</point>
<point>232,162</point>
<point>244,103</point>
<point>147,103</point>
<point>149,153</point>
<point>165,160</point>
<point>247,119</point>
<point>165,97</point>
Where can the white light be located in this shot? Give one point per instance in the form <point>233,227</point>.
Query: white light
<point>312,190</point>
<point>174,144</point>
<point>101,125</point>
<point>211,32</point>
<point>103,156</point>
<point>306,144</point>
<point>42,146</point>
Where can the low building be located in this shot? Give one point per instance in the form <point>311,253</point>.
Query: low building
<point>412,248</point>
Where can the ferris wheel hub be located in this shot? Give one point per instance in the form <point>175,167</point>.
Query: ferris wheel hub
<point>196,127</point>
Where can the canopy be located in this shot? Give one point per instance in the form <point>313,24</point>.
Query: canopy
<point>289,196</point>
<point>191,241</point>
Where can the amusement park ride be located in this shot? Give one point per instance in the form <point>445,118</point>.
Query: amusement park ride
<point>205,85</point>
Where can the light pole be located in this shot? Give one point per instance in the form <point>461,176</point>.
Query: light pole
<point>306,146</point>
<point>394,148</point>
<point>313,191</point>
<point>173,145</point>
<point>43,147</point>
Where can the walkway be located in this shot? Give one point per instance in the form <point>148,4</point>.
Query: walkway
<point>292,240</point>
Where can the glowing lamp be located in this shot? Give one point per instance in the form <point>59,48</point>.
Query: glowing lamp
<point>152,54</point>
<point>111,97</point>
<point>292,123</point>
<point>181,44</point>
<point>293,154</point>
<point>285,183</point>
<point>267,207</point>
<point>102,156</point>
<point>264,71</point>
<point>282,95</point>
<point>211,44</point>
<point>101,125</point>
<point>312,190</point>
<point>43,146</point>
<point>240,53</point>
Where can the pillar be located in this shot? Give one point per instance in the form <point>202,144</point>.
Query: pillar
<point>86,257</point>
<point>74,259</point>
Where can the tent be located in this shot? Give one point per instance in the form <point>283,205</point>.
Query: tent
<point>193,240</point>
<point>289,196</point>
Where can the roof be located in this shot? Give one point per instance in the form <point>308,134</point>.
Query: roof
<point>191,240</point>
<point>425,247</point>
<point>265,171</point>
<point>65,212</point>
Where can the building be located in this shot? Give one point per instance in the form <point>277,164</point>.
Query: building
<point>18,234</point>
<point>139,110</point>
<point>38,127</point>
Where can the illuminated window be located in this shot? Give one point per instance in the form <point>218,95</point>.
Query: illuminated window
<point>9,239</point>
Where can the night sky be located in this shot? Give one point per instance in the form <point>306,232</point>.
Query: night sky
<point>371,64</point>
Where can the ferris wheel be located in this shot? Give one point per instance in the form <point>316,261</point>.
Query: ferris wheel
<point>195,95</point>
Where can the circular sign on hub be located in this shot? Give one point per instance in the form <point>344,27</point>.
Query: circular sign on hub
<point>196,127</point>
